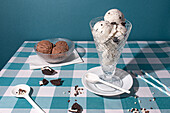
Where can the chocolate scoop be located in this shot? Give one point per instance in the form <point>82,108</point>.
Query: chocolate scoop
<point>48,71</point>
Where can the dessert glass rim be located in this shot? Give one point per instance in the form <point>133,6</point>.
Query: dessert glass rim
<point>72,47</point>
<point>102,17</point>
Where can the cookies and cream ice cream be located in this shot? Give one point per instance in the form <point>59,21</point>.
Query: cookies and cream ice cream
<point>108,33</point>
<point>101,30</point>
<point>114,16</point>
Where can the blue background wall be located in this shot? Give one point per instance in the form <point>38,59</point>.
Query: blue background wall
<point>39,19</point>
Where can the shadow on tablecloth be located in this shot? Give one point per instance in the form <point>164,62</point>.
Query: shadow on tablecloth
<point>150,58</point>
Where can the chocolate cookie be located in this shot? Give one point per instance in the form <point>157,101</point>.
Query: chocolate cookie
<point>48,71</point>
<point>56,82</point>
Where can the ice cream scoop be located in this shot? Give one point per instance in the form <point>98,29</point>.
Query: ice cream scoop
<point>101,30</point>
<point>114,16</point>
<point>44,46</point>
<point>23,91</point>
<point>93,78</point>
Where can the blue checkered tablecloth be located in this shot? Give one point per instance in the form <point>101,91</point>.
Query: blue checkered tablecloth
<point>151,56</point>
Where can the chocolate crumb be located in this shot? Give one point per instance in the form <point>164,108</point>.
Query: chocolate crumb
<point>150,100</point>
<point>68,100</point>
<point>101,24</point>
<point>76,87</point>
<point>151,108</point>
<point>75,99</point>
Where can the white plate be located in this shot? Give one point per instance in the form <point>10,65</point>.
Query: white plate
<point>127,82</point>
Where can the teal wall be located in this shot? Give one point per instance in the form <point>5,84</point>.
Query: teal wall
<point>39,19</point>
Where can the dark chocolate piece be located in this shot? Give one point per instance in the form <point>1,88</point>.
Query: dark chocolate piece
<point>45,82</point>
<point>48,71</point>
<point>56,82</point>
<point>78,107</point>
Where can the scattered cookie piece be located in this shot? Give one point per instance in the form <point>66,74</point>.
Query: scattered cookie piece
<point>76,108</point>
<point>43,82</point>
<point>56,82</point>
<point>48,71</point>
<point>76,87</point>
<point>21,92</point>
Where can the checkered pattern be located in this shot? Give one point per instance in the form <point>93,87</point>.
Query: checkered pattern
<point>153,57</point>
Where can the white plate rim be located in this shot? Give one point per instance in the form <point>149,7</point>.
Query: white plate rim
<point>105,94</point>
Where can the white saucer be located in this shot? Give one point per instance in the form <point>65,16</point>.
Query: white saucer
<point>127,82</point>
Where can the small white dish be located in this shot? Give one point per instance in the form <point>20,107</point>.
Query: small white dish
<point>101,89</point>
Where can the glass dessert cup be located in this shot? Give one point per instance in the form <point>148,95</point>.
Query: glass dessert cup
<point>58,57</point>
<point>109,53</point>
